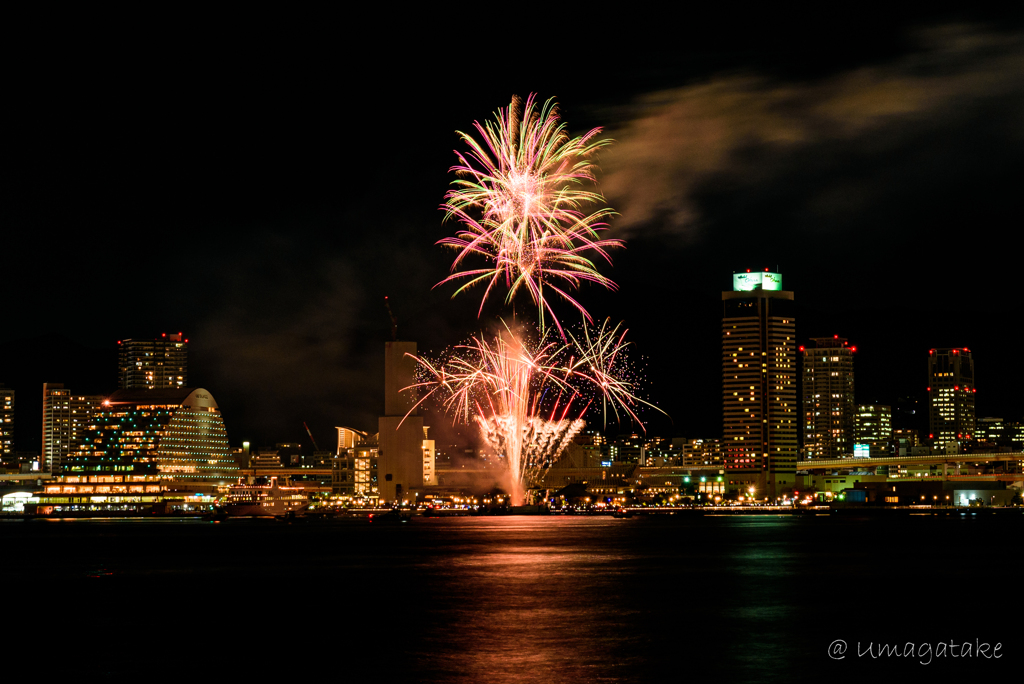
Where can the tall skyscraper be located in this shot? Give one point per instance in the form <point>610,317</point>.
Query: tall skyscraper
<point>759,446</point>
<point>828,406</point>
<point>6,426</point>
<point>872,426</point>
<point>153,364</point>
<point>65,418</point>
<point>951,392</point>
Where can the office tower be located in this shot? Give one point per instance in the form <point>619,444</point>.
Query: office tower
<point>152,364</point>
<point>7,458</point>
<point>759,447</point>
<point>175,433</point>
<point>66,416</point>
<point>872,427</point>
<point>992,430</point>
<point>828,407</point>
<point>950,396</point>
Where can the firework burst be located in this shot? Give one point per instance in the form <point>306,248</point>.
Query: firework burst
<point>521,198</point>
<point>528,398</point>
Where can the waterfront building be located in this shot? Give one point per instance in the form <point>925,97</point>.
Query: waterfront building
<point>872,427</point>
<point>118,494</point>
<point>828,408</point>
<point>66,416</point>
<point>402,444</point>
<point>951,391</point>
<point>175,433</point>
<point>759,399</point>
<point>357,469</point>
<point>7,459</point>
<point>354,471</point>
<point>161,363</point>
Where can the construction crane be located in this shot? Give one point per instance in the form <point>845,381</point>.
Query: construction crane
<point>310,435</point>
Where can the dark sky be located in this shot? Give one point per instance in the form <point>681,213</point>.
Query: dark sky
<point>261,185</point>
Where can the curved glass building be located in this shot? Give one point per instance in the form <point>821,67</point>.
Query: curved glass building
<point>176,434</point>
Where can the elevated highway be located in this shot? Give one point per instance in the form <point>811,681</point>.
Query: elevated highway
<point>926,459</point>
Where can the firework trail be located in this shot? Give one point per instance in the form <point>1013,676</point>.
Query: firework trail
<point>521,200</point>
<point>529,398</point>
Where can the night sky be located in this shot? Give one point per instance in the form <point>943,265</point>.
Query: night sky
<point>261,185</point>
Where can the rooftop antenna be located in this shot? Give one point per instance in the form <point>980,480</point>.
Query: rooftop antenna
<point>394,321</point>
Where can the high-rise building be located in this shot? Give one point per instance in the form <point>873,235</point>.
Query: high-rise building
<point>404,454</point>
<point>7,458</point>
<point>153,364</point>
<point>872,426</point>
<point>951,393</point>
<point>175,433</point>
<point>759,446</point>
<point>828,407</point>
<point>66,416</point>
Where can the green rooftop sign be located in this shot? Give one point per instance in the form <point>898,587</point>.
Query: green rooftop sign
<point>742,282</point>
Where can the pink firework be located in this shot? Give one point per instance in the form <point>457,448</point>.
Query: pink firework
<point>522,200</point>
<point>529,398</point>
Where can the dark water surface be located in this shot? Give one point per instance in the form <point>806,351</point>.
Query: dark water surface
<point>516,599</point>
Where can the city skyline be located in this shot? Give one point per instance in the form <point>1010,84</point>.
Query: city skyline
<point>223,234</point>
<point>281,288</point>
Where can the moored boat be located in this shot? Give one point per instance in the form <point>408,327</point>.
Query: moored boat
<point>264,500</point>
